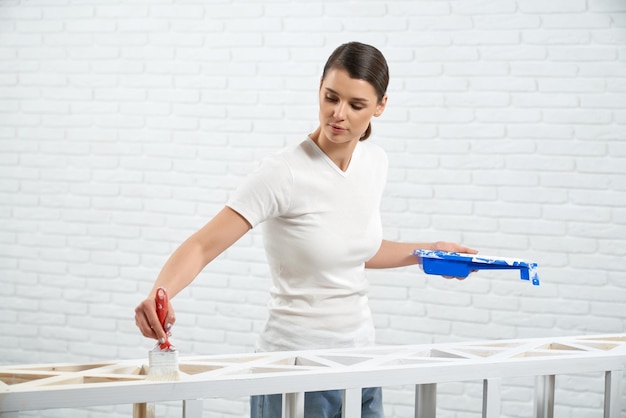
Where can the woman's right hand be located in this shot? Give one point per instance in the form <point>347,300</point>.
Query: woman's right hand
<point>147,320</point>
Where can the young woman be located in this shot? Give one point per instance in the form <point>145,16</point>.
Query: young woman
<point>319,203</point>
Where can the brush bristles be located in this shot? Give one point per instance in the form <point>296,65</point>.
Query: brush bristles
<point>163,365</point>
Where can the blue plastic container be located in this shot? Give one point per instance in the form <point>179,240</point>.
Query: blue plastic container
<point>444,263</point>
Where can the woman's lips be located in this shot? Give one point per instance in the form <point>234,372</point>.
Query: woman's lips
<point>337,129</point>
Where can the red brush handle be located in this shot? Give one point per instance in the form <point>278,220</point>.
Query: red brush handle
<point>162,303</point>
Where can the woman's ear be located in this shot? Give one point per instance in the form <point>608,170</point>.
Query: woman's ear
<point>380,107</point>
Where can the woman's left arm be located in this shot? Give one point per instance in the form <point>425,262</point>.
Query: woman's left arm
<point>399,254</point>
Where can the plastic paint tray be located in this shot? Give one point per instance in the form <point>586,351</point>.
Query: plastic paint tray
<point>444,263</point>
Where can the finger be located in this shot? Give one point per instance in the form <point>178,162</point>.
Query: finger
<point>142,323</point>
<point>152,328</point>
<point>453,247</point>
<point>454,277</point>
<point>170,319</point>
<point>466,250</point>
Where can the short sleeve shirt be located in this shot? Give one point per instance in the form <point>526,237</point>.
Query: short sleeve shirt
<point>320,226</point>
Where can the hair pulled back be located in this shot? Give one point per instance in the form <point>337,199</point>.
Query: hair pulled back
<point>363,62</point>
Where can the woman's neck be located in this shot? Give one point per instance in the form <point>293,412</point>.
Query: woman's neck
<point>340,154</point>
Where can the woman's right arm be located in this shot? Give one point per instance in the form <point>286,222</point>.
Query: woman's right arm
<point>186,263</point>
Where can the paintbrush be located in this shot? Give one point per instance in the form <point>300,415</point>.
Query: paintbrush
<point>163,358</point>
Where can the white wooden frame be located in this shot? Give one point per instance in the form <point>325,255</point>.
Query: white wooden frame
<point>47,386</point>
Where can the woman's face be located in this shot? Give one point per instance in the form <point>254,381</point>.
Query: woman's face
<point>346,106</point>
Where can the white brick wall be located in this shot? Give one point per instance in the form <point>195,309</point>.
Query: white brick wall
<point>124,125</point>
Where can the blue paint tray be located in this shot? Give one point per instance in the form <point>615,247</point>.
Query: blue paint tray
<point>444,263</point>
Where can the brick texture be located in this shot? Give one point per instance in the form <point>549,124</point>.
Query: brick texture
<point>125,125</point>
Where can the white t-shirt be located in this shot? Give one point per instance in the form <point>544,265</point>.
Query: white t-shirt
<point>320,227</point>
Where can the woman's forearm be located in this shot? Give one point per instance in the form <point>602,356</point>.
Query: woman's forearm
<point>394,254</point>
<point>199,250</point>
<point>181,268</point>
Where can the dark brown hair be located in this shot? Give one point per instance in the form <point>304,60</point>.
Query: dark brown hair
<point>363,62</point>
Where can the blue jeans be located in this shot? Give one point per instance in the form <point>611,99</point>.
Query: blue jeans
<point>325,404</point>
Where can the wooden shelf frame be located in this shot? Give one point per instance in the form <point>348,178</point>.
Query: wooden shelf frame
<point>65,385</point>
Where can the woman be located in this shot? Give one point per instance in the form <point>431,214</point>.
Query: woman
<point>319,204</point>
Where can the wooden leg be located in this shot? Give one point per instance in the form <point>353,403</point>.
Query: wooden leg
<point>612,393</point>
<point>426,401</point>
<point>143,410</point>
<point>544,397</point>
<point>293,405</point>
<point>192,408</point>
<point>351,407</point>
<point>491,398</point>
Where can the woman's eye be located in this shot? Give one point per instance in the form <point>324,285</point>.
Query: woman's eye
<point>332,99</point>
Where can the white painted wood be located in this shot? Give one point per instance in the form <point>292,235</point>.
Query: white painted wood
<point>192,408</point>
<point>426,401</point>
<point>544,396</point>
<point>293,405</point>
<point>491,398</point>
<point>612,393</point>
<point>351,407</point>
<point>49,386</point>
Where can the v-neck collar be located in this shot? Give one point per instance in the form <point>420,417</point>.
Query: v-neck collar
<point>331,163</point>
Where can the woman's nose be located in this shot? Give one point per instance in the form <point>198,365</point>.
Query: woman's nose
<point>340,111</point>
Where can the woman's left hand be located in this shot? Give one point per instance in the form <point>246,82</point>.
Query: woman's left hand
<point>455,248</point>
<point>452,247</point>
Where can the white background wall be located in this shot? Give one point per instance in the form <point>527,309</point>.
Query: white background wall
<point>125,124</point>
